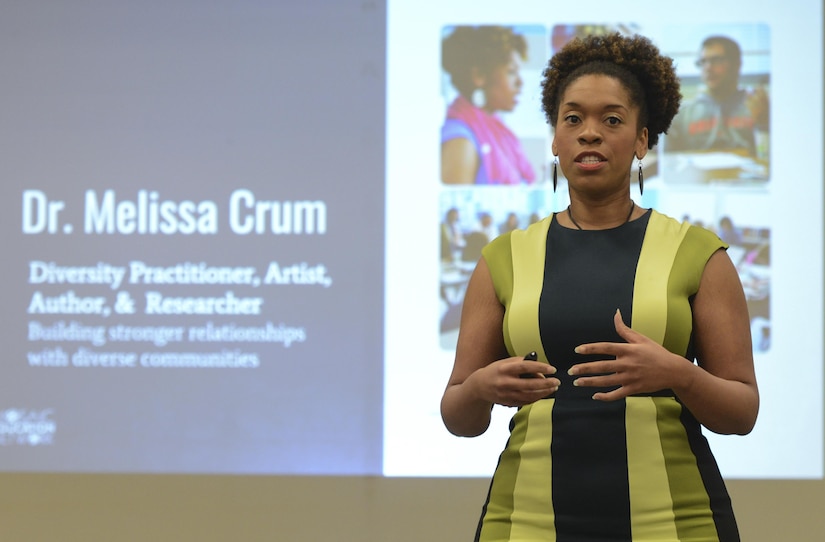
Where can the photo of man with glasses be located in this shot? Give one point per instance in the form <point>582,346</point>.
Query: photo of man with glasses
<point>723,116</point>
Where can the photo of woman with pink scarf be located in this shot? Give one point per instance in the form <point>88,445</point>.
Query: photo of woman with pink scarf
<point>484,66</point>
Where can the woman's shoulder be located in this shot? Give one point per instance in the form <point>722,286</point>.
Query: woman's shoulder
<point>500,246</point>
<point>457,129</point>
<point>685,233</point>
<point>527,237</point>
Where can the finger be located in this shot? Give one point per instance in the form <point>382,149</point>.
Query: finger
<point>536,368</point>
<point>527,396</point>
<point>552,384</point>
<point>541,386</point>
<point>594,368</point>
<point>608,349</point>
<point>622,329</point>
<point>548,392</point>
<point>603,381</point>
<point>608,396</point>
<point>539,376</point>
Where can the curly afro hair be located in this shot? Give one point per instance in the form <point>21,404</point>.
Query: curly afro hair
<point>648,76</point>
<point>481,48</point>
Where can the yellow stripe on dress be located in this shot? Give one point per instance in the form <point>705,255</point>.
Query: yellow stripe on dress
<point>522,487</point>
<point>533,517</point>
<point>497,516</point>
<point>695,520</point>
<point>651,509</point>
<point>660,441</point>
<point>651,298</point>
<point>661,311</point>
<point>651,506</point>
<point>532,494</point>
<point>521,321</point>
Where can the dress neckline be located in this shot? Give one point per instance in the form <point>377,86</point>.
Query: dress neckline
<point>630,222</point>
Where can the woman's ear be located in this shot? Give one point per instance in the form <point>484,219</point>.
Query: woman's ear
<point>478,78</point>
<point>641,144</point>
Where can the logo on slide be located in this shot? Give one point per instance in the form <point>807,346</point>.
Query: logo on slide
<point>24,427</point>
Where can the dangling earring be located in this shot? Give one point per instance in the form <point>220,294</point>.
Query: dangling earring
<point>641,179</point>
<point>478,98</point>
<point>555,173</point>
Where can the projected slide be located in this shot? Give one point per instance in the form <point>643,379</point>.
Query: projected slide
<point>186,286</point>
<point>732,173</point>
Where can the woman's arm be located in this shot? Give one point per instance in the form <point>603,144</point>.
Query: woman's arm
<point>478,381</point>
<point>722,392</point>
<point>459,161</point>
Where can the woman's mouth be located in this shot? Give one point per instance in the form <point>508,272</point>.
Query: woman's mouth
<point>590,161</point>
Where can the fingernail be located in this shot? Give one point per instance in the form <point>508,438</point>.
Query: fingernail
<point>576,382</point>
<point>571,371</point>
<point>577,350</point>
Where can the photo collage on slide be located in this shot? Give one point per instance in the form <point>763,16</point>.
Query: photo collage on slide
<point>712,168</point>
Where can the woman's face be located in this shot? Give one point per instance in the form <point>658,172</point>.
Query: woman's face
<point>597,135</point>
<point>503,85</point>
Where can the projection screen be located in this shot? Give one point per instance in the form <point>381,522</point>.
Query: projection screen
<point>196,282</point>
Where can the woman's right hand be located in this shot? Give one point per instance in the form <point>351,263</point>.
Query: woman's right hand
<point>476,383</point>
<point>513,382</point>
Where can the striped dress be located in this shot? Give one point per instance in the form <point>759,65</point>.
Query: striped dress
<point>575,469</point>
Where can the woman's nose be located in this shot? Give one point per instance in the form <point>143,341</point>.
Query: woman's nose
<point>590,132</point>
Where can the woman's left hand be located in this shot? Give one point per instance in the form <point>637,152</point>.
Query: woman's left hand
<point>641,365</point>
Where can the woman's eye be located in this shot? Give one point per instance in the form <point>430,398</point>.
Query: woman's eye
<point>572,119</point>
<point>614,121</point>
